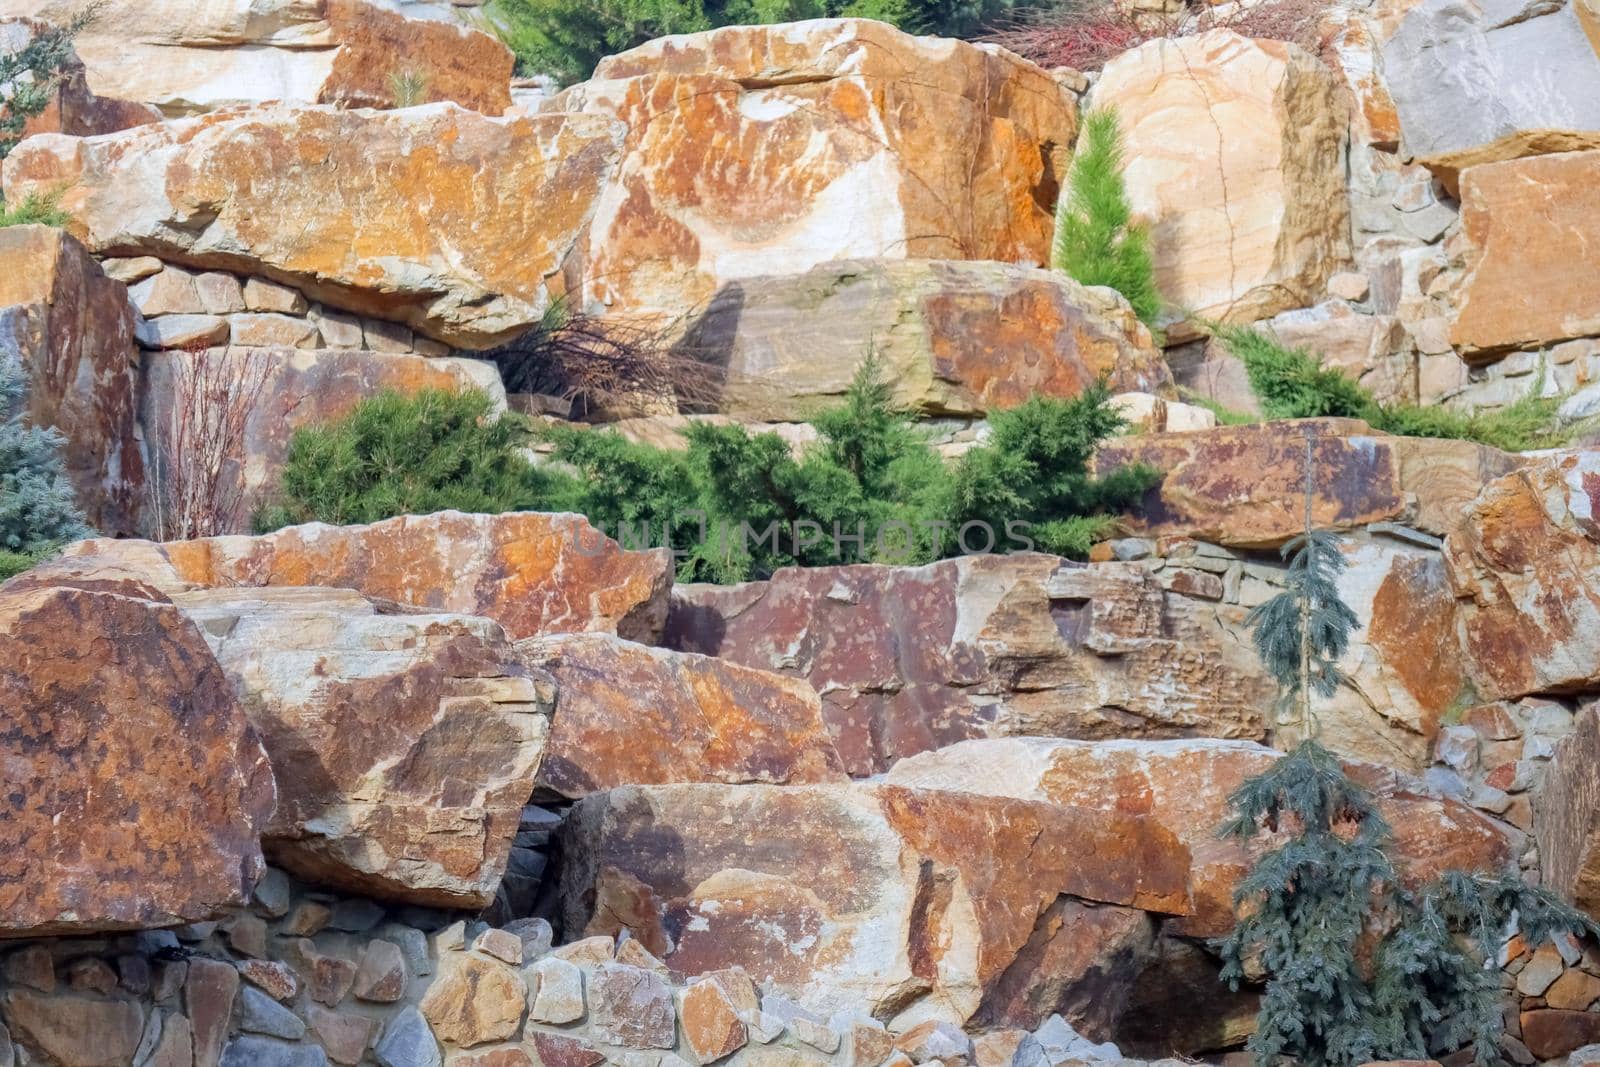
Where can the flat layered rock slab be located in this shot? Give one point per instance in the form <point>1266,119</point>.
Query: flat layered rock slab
<point>629,714</point>
<point>531,572</point>
<point>135,786</point>
<point>436,217</point>
<point>909,659</point>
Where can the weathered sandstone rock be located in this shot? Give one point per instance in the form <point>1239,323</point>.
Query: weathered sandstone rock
<point>1372,349</point>
<point>135,788</point>
<point>1243,485</point>
<point>1566,815</point>
<point>71,330</point>
<point>299,387</point>
<point>1477,81</point>
<point>532,573</point>
<point>1235,155</point>
<point>770,149</point>
<point>908,659</point>
<point>405,745</point>
<point>185,57</point>
<point>402,215</point>
<point>1531,246</point>
<point>952,338</point>
<point>1183,786</point>
<point>904,903</point>
<point>628,714</point>
<point>1524,564</point>
<point>73,107</point>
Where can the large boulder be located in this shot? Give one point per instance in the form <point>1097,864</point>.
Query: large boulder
<point>72,107</point>
<point>629,714</point>
<point>433,216</point>
<point>405,744</point>
<point>185,57</point>
<point>297,387</point>
<point>71,330</point>
<point>1566,815</point>
<point>1530,248</point>
<point>1476,81</point>
<point>135,788</point>
<point>908,659</point>
<point>1244,485</point>
<point>1183,786</point>
<point>1525,567</point>
<point>952,338</point>
<point>757,150</point>
<point>531,572</point>
<point>1235,152</point>
<point>906,903</point>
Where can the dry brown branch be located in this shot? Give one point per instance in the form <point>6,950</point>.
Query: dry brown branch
<point>199,490</point>
<point>1088,34</point>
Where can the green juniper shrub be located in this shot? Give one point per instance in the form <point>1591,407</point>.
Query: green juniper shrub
<point>398,454</point>
<point>1097,242</point>
<point>736,505</point>
<point>38,511</point>
<point>1290,383</point>
<point>1034,467</point>
<point>1359,966</point>
<point>35,209</point>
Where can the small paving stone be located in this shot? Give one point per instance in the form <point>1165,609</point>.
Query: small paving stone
<point>407,1041</point>
<point>272,894</point>
<point>208,995</point>
<point>263,295</point>
<point>536,937</point>
<point>91,976</point>
<point>343,1035</point>
<point>557,991</point>
<point>413,946</point>
<point>248,1050</point>
<point>631,1006</point>
<point>308,920</point>
<point>32,967</point>
<point>331,977</point>
<point>260,1014</point>
<point>380,973</point>
<point>502,945</point>
<point>556,1050</point>
<point>133,972</point>
<point>220,293</point>
<point>475,1001</point>
<point>355,916</point>
<point>711,1025</point>
<point>591,950</point>
<point>276,979</point>
<point>819,1036</point>
<point>247,935</point>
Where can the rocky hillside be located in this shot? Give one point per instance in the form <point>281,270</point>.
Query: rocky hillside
<point>498,789</point>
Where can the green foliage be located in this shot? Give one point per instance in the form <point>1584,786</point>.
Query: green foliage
<point>1359,965</point>
<point>37,508</point>
<point>408,88</point>
<point>566,38</point>
<point>1291,384</point>
<point>36,209</point>
<point>14,563</point>
<point>736,505</point>
<point>1226,416</point>
<point>29,77</point>
<point>407,455</point>
<point>1096,240</point>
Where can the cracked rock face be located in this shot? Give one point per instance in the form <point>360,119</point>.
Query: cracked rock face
<point>905,903</point>
<point>771,149</point>
<point>628,714</point>
<point>908,659</point>
<point>1235,153</point>
<point>404,744</point>
<point>186,57</point>
<point>400,215</point>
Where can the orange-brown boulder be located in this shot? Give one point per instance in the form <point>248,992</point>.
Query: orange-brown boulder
<point>906,903</point>
<point>771,149</point>
<point>533,573</point>
<point>1525,567</point>
<point>405,744</point>
<point>135,787</point>
<point>1530,248</point>
<point>1183,786</point>
<point>1243,485</point>
<point>71,328</point>
<point>185,57</point>
<point>908,659</point>
<point>950,338</point>
<point>437,217</point>
<point>629,714</point>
